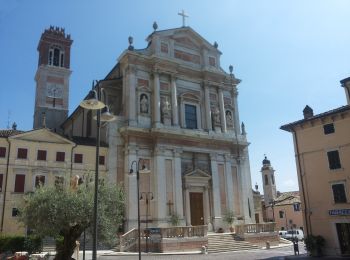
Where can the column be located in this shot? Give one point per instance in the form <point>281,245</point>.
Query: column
<point>188,208</point>
<point>207,108</point>
<point>178,185</point>
<point>131,188</point>
<point>160,186</point>
<point>222,111</point>
<point>174,107</point>
<point>229,181</point>
<point>216,192</point>
<point>132,95</point>
<point>247,188</point>
<point>236,114</point>
<point>156,100</point>
<point>206,206</point>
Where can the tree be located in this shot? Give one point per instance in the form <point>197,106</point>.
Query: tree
<point>66,213</point>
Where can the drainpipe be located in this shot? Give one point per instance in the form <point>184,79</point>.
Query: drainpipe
<point>71,161</point>
<point>5,189</point>
<point>306,215</point>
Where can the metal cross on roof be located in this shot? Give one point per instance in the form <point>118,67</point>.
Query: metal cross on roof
<point>184,15</point>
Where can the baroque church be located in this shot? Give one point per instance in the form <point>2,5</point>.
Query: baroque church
<point>177,115</point>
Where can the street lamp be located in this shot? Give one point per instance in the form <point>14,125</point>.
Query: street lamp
<point>93,102</point>
<point>147,196</point>
<point>145,170</point>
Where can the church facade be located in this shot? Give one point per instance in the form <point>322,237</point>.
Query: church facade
<point>178,115</point>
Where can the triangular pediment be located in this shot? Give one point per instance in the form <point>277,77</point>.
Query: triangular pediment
<point>185,36</point>
<point>197,173</point>
<point>42,135</point>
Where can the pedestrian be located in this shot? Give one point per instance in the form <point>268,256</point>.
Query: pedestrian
<point>295,246</point>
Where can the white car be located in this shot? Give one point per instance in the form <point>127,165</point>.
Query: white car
<point>282,233</point>
<point>295,233</point>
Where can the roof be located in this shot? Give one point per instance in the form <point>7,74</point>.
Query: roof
<point>287,198</point>
<point>87,141</point>
<point>289,127</point>
<point>10,132</point>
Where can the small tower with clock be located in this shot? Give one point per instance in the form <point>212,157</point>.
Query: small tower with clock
<point>52,79</point>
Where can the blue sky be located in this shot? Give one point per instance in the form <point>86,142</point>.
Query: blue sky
<point>287,53</point>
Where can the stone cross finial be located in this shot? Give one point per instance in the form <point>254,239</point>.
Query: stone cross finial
<point>184,15</point>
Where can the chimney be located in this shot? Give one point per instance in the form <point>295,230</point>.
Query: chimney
<point>308,112</point>
<point>345,83</point>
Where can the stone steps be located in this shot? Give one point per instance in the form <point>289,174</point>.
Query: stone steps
<point>225,243</point>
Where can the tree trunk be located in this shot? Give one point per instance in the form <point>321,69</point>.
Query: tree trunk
<point>66,251</point>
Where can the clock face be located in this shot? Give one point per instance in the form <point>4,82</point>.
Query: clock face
<point>54,90</point>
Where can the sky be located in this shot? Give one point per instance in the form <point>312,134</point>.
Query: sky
<point>288,54</point>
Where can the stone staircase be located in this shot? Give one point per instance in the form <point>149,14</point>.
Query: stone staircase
<point>225,242</point>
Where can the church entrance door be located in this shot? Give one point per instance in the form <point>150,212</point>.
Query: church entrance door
<point>196,204</point>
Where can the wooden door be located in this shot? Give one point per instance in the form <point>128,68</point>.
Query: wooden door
<point>343,230</point>
<point>196,204</point>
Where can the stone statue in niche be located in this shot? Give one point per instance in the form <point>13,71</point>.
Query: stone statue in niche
<point>216,116</point>
<point>144,104</point>
<point>165,108</point>
<point>229,120</point>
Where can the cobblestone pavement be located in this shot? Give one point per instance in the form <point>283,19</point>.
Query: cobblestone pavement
<point>275,253</point>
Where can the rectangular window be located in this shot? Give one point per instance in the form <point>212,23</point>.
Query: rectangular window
<point>296,206</point>
<point>1,179</point>
<point>2,152</point>
<point>212,61</point>
<point>266,180</point>
<point>39,180</point>
<point>78,158</point>
<point>328,129</point>
<point>281,213</point>
<point>22,153</point>
<point>19,182</point>
<point>333,160</point>
<point>164,47</point>
<point>191,116</point>
<point>339,193</point>
<point>41,156</point>
<point>101,160</point>
<point>14,212</point>
<point>60,156</point>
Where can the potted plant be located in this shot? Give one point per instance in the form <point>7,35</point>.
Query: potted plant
<point>175,219</point>
<point>314,244</point>
<point>229,218</point>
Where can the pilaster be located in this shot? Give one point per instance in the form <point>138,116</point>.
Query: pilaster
<point>156,100</point>
<point>222,111</point>
<point>175,110</point>
<point>216,191</point>
<point>178,184</point>
<point>160,187</point>
<point>131,71</point>
<point>207,108</point>
<point>229,181</point>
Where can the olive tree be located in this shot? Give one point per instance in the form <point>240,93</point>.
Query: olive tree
<point>66,213</point>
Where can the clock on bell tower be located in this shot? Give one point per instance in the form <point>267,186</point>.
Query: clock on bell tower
<point>52,79</point>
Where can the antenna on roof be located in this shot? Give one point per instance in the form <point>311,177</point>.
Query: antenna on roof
<point>8,119</point>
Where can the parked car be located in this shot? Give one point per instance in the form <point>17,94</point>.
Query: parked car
<point>295,233</point>
<point>282,233</point>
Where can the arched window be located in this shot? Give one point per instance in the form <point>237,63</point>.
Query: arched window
<point>56,56</point>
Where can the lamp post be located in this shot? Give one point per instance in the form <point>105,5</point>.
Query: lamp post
<point>137,164</point>
<point>148,196</point>
<point>93,102</point>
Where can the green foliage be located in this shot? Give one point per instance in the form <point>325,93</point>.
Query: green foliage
<point>175,219</point>
<point>67,213</point>
<point>314,244</point>
<point>229,217</point>
<point>20,243</point>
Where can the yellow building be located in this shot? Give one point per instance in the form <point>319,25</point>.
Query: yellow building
<point>28,159</point>
<point>322,151</point>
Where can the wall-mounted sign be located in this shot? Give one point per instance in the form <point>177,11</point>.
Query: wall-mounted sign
<point>339,212</point>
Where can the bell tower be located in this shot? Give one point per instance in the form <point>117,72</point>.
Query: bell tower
<point>268,179</point>
<point>52,79</point>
